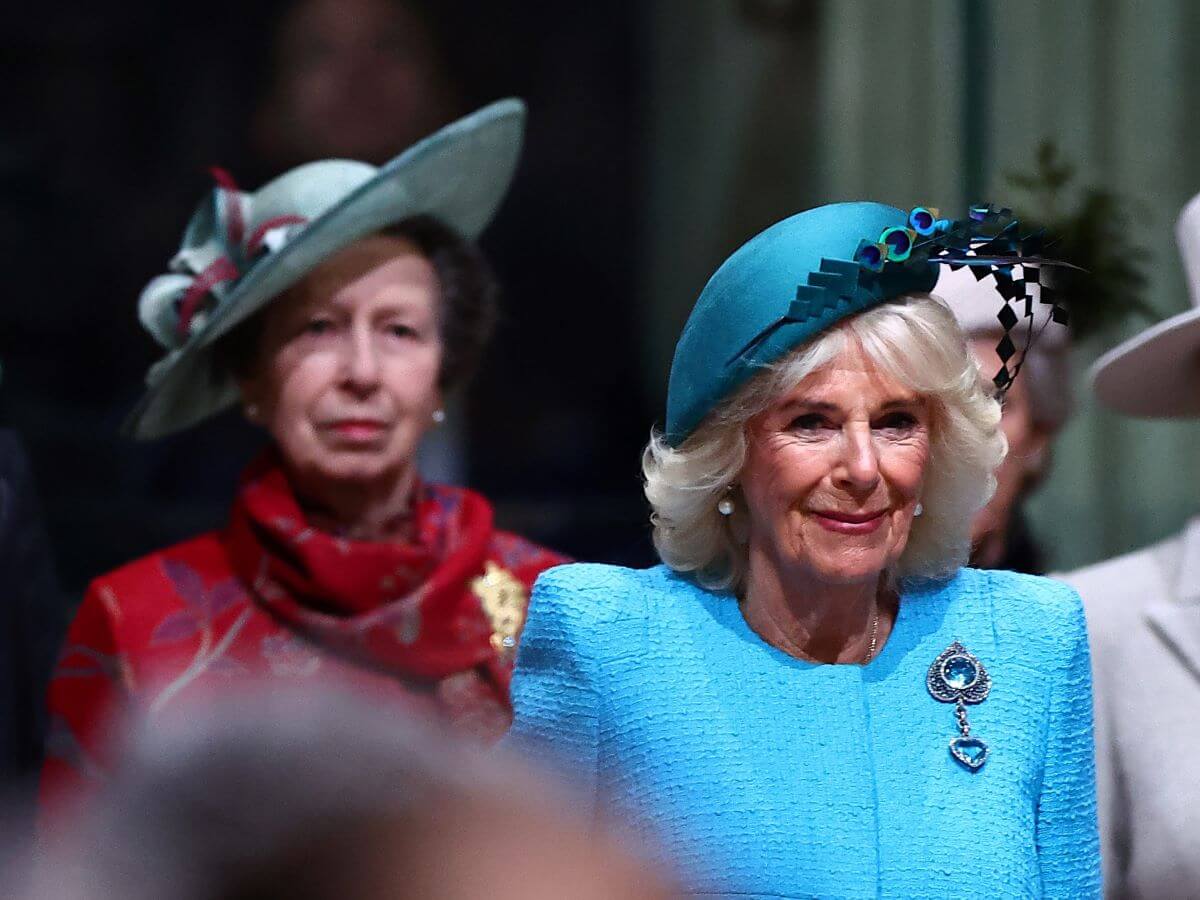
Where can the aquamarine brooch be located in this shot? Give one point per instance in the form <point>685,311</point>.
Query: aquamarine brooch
<point>958,677</point>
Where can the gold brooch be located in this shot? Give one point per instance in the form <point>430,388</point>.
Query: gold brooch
<point>504,600</point>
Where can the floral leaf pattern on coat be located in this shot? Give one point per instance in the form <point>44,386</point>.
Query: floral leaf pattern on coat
<point>203,604</point>
<point>225,595</point>
<point>178,626</point>
<point>187,582</point>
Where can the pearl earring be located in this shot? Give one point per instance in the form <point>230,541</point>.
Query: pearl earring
<point>920,508</point>
<point>725,505</point>
<point>439,416</point>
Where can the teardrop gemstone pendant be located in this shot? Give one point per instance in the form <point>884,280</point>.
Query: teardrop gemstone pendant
<point>970,751</point>
<point>958,677</point>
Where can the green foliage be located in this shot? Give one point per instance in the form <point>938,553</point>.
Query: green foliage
<point>1093,235</point>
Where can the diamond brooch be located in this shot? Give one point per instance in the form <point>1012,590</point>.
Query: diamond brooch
<point>958,677</point>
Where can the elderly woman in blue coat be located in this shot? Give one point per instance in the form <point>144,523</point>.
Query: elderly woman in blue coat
<point>813,697</point>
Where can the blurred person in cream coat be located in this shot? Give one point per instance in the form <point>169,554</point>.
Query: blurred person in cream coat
<point>1143,613</point>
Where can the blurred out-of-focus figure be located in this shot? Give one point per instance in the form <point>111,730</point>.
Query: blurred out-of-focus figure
<point>1144,621</point>
<point>1035,409</point>
<point>1085,226</point>
<point>316,796</point>
<point>351,79</point>
<point>337,305</point>
<point>801,697</point>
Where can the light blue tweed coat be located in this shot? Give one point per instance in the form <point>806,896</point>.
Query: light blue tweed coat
<point>763,776</point>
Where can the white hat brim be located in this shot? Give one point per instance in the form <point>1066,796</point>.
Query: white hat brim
<point>1154,374</point>
<point>458,175</point>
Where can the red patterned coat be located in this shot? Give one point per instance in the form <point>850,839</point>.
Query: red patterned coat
<point>429,624</point>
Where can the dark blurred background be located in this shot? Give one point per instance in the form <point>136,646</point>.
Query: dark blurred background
<point>662,134</point>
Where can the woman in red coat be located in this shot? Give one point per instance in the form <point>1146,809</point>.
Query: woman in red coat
<point>338,305</point>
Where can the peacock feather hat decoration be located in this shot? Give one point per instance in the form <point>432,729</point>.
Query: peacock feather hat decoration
<point>990,241</point>
<point>804,274</point>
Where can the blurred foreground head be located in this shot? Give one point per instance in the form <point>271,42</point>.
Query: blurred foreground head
<point>317,799</point>
<point>359,79</point>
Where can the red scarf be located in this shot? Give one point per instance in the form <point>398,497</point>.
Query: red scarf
<point>403,607</point>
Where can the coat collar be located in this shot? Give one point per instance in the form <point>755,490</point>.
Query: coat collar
<point>1176,620</point>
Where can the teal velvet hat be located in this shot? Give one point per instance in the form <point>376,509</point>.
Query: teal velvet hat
<point>241,250</point>
<point>802,275</point>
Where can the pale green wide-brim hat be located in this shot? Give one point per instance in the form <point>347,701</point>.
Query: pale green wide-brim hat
<point>241,250</point>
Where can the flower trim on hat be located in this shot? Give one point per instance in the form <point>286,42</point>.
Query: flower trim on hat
<point>216,254</point>
<point>988,241</point>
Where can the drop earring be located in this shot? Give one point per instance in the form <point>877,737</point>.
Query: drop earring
<point>251,412</point>
<point>919,509</point>
<point>725,504</point>
<point>439,416</point>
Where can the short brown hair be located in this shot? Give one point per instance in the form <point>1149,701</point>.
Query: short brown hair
<point>467,310</point>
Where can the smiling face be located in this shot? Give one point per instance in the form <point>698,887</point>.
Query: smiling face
<point>834,470</point>
<point>346,373</point>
